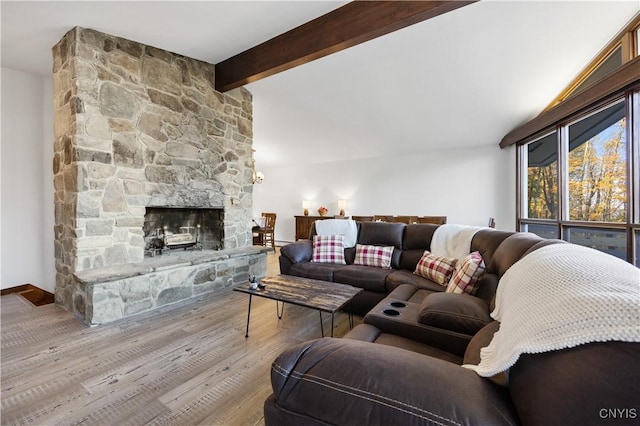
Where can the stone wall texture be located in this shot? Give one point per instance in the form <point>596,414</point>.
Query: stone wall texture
<point>136,126</point>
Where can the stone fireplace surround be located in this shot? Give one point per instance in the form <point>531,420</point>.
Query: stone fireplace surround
<point>136,126</point>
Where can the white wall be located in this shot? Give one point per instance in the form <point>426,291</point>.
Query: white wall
<point>467,185</point>
<point>26,152</point>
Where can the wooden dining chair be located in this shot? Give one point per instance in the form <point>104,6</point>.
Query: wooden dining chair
<point>266,233</point>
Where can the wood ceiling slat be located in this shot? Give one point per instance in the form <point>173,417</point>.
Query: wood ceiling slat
<point>347,26</point>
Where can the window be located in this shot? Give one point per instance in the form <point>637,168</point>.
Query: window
<point>637,249</point>
<point>610,63</point>
<point>576,181</point>
<point>621,49</point>
<point>611,241</point>
<point>541,230</point>
<point>597,167</point>
<point>542,178</point>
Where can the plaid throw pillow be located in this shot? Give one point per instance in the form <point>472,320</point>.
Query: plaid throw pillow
<point>438,269</point>
<point>466,277</point>
<point>378,256</point>
<point>328,249</point>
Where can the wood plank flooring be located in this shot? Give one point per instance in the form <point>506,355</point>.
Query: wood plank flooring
<point>185,364</point>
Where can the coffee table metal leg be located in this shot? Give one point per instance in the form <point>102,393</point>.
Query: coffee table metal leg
<point>351,315</point>
<point>248,317</point>
<point>332,314</point>
<point>279,312</point>
<point>321,326</point>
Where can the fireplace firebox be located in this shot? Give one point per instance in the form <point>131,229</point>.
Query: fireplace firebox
<point>172,228</point>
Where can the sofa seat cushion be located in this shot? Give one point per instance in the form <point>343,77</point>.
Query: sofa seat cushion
<point>400,277</point>
<point>456,312</point>
<point>315,271</point>
<point>369,333</point>
<point>366,277</point>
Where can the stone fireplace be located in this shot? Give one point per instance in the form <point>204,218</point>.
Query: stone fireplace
<point>136,129</point>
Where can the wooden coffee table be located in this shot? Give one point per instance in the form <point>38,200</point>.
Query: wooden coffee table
<point>323,296</point>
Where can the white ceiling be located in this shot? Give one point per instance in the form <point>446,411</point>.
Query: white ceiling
<point>462,79</point>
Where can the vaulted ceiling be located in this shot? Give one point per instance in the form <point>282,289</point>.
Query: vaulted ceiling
<point>458,80</point>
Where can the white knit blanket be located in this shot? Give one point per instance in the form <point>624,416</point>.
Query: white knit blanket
<point>345,227</point>
<point>451,240</point>
<point>561,296</point>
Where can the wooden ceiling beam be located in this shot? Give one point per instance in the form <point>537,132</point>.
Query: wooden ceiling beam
<point>347,26</point>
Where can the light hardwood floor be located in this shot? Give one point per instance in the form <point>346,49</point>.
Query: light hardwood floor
<point>186,364</point>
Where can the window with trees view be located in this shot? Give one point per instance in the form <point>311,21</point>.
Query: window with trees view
<point>576,183</point>
<point>597,167</point>
<point>542,177</point>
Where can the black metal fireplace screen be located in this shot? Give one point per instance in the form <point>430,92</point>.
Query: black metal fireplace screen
<point>172,228</point>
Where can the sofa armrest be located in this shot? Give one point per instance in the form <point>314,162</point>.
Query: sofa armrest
<point>298,252</point>
<point>456,312</point>
<point>345,382</point>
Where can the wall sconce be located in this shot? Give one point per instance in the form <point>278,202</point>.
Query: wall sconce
<point>342,205</point>
<point>305,206</point>
<point>256,177</point>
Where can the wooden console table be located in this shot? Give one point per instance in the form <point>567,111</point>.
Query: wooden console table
<point>304,223</point>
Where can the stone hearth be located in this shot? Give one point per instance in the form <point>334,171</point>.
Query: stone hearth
<point>116,292</point>
<point>138,127</point>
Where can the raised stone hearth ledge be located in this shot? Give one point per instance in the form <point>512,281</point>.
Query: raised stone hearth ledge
<point>117,292</point>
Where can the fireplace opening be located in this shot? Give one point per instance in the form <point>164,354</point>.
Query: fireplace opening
<point>167,229</point>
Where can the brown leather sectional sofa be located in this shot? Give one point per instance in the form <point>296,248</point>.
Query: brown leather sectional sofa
<point>405,369</point>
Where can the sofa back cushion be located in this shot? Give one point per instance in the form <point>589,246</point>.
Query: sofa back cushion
<point>383,234</point>
<point>512,249</point>
<point>487,286</point>
<point>486,241</point>
<point>417,239</point>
